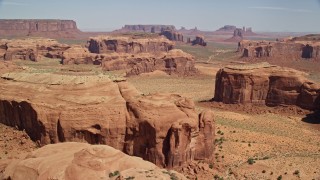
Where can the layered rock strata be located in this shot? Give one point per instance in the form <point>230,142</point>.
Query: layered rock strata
<point>266,84</point>
<point>72,160</point>
<point>39,27</point>
<point>51,108</point>
<point>31,49</point>
<point>289,49</point>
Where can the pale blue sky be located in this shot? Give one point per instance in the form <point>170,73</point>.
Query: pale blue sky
<point>262,15</point>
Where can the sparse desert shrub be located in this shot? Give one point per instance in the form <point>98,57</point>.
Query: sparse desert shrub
<point>113,174</point>
<point>211,166</point>
<point>263,171</point>
<point>296,172</point>
<point>130,177</point>
<point>279,177</point>
<point>251,161</point>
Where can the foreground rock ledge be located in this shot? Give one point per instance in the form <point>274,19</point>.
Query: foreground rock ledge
<point>71,161</point>
<point>52,108</point>
<point>266,84</point>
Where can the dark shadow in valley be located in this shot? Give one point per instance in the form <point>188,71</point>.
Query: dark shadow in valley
<point>313,118</point>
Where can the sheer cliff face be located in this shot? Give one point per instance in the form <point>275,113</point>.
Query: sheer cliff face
<point>269,85</point>
<point>290,50</point>
<point>34,27</point>
<point>162,128</point>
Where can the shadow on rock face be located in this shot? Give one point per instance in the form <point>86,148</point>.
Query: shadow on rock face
<point>313,118</point>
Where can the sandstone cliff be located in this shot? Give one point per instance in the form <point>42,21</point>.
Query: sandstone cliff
<point>280,49</point>
<point>266,84</point>
<point>172,35</point>
<point>51,108</point>
<point>128,44</point>
<point>138,55</point>
<point>71,161</point>
<point>38,27</point>
<point>31,49</point>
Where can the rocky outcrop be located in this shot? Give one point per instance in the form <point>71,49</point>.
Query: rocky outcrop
<point>81,161</point>
<point>38,27</point>
<point>228,28</point>
<point>31,49</point>
<point>173,62</point>
<point>172,35</point>
<point>280,49</point>
<point>138,55</point>
<point>146,28</point>
<point>79,55</point>
<point>161,128</point>
<point>128,44</point>
<point>199,40</point>
<point>265,84</point>
<point>237,35</point>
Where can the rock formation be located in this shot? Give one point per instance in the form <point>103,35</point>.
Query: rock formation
<point>128,44</point>
<point>228,28</point>
<point>237,35</point>
<point>265,84</point>
<point>146,28</point>
<point>31,49</point>
<point>199,40</point>
<point>161,128</point>
<point>280,49</point>
<point>172,35</point>
<point>71,161</point>
<point>38,27</point>
<point>137,55</point>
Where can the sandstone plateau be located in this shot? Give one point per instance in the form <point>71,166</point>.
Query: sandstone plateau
<point>134,54</point>
<point>129,44</point>
<point>71,161</point>
<point>288,49</point>
<point>146,28</point>
<point>266,84</point>
<point>31,49</point>
<point>39,27</point>
<point>52,108</point>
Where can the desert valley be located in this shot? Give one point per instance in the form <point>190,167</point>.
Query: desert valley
<point>157,102</point>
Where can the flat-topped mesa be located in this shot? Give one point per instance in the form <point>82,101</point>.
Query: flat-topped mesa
<point>289,49</point>
<point>31,49</point>
<point>146,28</point>
<point>38,27</point>
<point>266,84</point>
<point>162,128</point>
<point>228,28</point>
<point>127,44</point>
